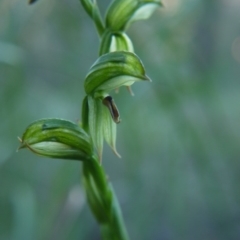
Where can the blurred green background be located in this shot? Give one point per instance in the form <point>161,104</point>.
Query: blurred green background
<point>179,176</point>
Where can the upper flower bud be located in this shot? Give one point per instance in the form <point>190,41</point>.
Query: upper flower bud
<point>115,41</point>
<point>122,12</point>
<point>113,70</point>
<point>57,138</point>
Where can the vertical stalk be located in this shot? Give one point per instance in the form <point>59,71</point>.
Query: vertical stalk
<point>92,10</point>
<point>103,201</point>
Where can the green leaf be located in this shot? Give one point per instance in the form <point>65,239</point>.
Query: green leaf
<point>57,138</point>
<point>113,70</point>
<point>122,12</point>
<point>115,41</point>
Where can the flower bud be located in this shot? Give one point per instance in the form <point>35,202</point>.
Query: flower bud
<point>122,12</point>
<point>115,41</point>
<point>57,138</point>
<point>113,70</point>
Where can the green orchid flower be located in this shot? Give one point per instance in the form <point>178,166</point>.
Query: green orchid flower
<point>57,138</point>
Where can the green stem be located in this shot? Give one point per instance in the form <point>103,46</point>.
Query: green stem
<point>100,194</point>
<point>93,11</point>
<point>103,202</point>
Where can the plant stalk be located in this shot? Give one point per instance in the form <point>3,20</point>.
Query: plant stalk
<point>103,201</point>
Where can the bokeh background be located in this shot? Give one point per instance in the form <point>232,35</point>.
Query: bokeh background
<point>179,176</point>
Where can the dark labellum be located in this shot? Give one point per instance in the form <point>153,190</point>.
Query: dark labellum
<point>110,104</point>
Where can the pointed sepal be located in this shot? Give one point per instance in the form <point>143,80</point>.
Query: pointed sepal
<point>111,117</point>
<point>102,118</point>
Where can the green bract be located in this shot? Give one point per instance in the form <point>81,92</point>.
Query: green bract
<point>115,41</point>
<point>122,12</point>
<point>113,70</point>
<point>57,138</point>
